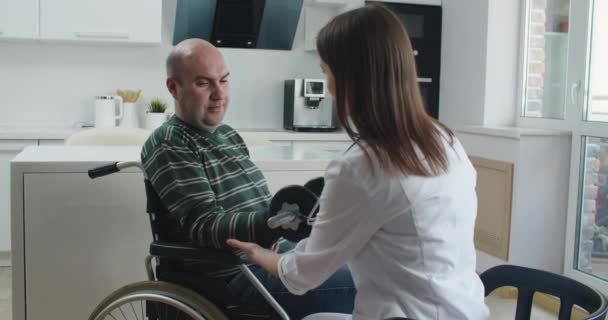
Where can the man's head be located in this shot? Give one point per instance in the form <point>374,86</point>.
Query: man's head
<point>197,78</point>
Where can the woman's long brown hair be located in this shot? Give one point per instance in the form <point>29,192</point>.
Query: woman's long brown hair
<point>378,99</point>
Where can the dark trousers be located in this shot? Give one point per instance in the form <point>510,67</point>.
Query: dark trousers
<point>337,294</point>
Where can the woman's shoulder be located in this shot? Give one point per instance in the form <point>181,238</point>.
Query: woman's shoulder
<point>354,162</point>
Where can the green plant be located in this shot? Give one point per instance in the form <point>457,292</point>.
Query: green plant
<point>157,106</point>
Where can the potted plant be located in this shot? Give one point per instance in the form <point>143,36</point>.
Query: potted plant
<point>156,116</point>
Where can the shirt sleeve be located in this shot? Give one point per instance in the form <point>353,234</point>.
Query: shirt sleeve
<point>178,176</point>
<point>342,228</point>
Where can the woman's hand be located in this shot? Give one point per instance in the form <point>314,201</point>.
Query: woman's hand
<point>265,258</point>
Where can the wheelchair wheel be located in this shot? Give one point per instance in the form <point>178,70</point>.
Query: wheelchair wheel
<point>156,300</point>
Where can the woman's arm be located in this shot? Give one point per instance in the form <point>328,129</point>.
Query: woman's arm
<point>265,258</point>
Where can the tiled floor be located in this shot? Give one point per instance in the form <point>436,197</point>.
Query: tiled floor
<point>501,309</point>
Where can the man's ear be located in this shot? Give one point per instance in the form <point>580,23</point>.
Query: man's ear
<point>172,86</point>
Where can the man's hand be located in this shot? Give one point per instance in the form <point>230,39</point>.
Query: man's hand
<point>265,258</point>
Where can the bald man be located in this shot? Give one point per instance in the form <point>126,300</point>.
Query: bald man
<point>201,170</point>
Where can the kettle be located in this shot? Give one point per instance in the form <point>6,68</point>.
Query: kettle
<point>105,111</point>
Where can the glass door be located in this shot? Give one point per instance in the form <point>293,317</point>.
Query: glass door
<point>587,93</point>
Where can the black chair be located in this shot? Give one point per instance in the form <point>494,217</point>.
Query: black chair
<point>528,281</point>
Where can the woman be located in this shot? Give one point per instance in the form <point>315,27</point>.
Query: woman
<point>399,206</point>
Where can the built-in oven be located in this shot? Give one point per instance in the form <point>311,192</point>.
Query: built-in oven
<point>422,20</point>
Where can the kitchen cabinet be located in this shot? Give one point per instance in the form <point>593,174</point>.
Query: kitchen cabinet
<point>85,238</point>
<point>522,188</point>
<point>279,179</point>
<point>136,21</point>
<point>90,237</point>
<point>8,150</point>
<point>331,146</point>
<point>19,19</point>
<point>317,14</point>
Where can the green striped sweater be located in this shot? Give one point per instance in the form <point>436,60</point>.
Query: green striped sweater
<point>209,185</point>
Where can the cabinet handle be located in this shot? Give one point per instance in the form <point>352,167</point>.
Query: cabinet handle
<point>102,35</point>
<point>425,80</point>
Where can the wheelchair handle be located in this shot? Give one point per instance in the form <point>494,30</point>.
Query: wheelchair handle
<point>112,168</point>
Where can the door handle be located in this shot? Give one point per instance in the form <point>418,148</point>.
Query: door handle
<point>574,90</point>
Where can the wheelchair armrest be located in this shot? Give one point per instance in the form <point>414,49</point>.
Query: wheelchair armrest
<point>190,252</point>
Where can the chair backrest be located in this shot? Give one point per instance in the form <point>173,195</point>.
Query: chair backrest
<point>108,136</point>
<point>528,281</point>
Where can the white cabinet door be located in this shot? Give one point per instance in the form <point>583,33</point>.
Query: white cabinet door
<point>19,19</point>
<point>332,146</point>
<point>101,20</point>
<point>8,150</point>
<point>83,239</point>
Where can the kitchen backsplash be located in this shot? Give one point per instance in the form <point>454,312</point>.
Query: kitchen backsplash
<point>53,84</point>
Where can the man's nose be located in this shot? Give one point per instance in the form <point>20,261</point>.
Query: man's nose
<point>219,92</point>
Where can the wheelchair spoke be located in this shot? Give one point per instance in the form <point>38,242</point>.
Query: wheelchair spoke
<point>121,312</point>
<point>133,310</point>
<point>152,297</point>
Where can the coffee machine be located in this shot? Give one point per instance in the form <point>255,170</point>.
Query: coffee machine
<point>307,106</point>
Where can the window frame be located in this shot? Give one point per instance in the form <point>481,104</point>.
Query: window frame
<point>575,105</point>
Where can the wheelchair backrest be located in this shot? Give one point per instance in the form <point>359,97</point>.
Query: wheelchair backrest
<point>164,227</point>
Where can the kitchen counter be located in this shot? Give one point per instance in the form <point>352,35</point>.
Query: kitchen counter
<point>86,237</point>
<point>60,133</point>
<point>35,133</point>
<point>51,158</point>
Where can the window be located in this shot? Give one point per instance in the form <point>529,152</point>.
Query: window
<point>546,51</point>
<point>565,86</point>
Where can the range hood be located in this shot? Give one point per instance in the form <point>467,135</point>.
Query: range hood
<point>255,24</point>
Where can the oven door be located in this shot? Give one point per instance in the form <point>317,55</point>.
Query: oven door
<point>430,94</point>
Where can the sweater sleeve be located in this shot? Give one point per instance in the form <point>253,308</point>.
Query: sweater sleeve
<point>179,177</point>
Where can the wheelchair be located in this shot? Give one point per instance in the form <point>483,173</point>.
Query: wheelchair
<point>170,293</point>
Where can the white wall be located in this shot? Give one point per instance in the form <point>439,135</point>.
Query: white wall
<point>53,84</point>
<point>502,63</point>
<point>463,62</point>
<point>479,62</point>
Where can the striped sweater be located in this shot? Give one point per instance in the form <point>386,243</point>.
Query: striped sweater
<point>209,185</point>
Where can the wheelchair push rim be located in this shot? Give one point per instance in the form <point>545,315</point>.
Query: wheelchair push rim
<point>131,301</point>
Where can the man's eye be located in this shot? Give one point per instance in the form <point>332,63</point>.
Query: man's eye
<point>202,83</point>
<point>224,80</point>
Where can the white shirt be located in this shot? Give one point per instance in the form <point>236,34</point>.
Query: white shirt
<point>408,240</point>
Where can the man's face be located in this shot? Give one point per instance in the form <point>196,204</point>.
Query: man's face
<point>202,90</point>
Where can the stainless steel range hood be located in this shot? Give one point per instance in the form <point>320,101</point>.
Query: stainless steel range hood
<point>255,24</point>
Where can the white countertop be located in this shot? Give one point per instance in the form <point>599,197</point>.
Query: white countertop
<point>35,133</point>
<point>60,133</point>
<point>510,132</point>
<point>52,158</point>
